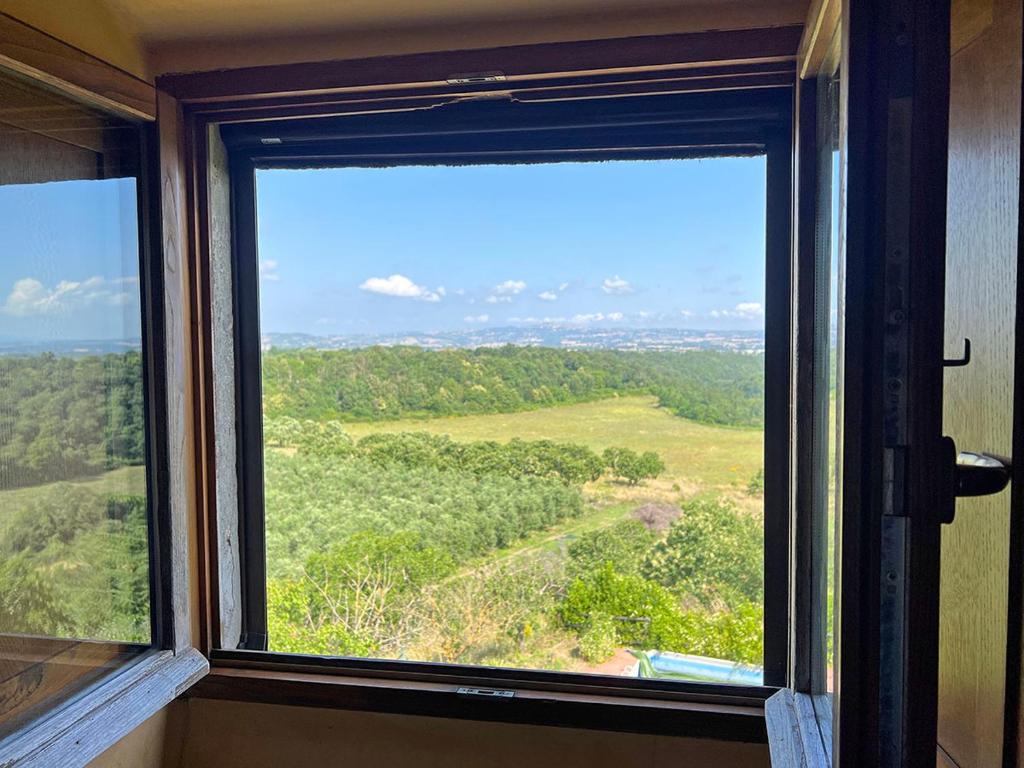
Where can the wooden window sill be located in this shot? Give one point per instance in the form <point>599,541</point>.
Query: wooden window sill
<point>78,730</point>
<point>799,730</point>
<point>744,723</point>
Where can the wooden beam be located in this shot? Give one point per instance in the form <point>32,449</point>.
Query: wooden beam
<point>26,51</point>
<point>515,63</point>
<point>819,30</point>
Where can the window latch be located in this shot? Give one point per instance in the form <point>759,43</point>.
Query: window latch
<point>970,473</point>
<point>490,693</point>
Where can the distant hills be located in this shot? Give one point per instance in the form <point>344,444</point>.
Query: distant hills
<point>67,347</point>
<point>558,336</point>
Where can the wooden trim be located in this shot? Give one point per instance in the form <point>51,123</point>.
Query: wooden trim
<point>1013,746</point>
<point>79,731</point>
<point>181,480</point>
<point>795,737</point>
<point>532,707</point>
<point>517,64</point>
<point>36,672</point>
<point>819,31</point>
<point>45,59</point>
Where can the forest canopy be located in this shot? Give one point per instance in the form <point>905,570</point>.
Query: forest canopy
<point>387,383</point>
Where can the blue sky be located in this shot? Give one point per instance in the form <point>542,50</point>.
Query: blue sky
<point>612,244</point>
<point>69,260</point>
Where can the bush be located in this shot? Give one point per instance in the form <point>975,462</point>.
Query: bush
<point>756,485</point>
<point>645,613</point>
<point>597,642</point>
<point>622,545</point>
<point>713,553</point>
<point>323,438</point>
<point>632,467</point>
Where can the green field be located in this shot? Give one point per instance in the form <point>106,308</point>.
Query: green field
<point>711,457</point>
<point>124,480</point>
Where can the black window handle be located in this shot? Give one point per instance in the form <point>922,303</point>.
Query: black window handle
<point>971,473</point>
<point>979,474</point>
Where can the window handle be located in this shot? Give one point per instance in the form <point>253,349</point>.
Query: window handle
<point>971,473</point>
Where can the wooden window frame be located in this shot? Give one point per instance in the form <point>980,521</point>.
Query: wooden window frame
<point>233,103</point>
<point>125,690</point>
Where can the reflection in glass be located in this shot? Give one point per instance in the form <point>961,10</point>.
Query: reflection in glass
<point>74,544</point>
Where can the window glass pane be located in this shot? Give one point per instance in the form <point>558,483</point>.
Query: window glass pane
<point>829,279</point>
<point>513,414</point>
<point>74,545</point>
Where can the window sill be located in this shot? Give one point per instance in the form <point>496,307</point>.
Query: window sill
<point>80,729</point>
<point>743,723</point>
<point>799,730</point>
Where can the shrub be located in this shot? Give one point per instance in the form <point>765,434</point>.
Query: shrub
<point>597,642</point>
<point>645,613</point>
<point>622,545</point>
<point>713,553</point>
<point>632,467</point>
<point>756,485</point>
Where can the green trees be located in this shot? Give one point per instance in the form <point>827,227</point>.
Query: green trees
<point>387,383</point>
<point>69,417</point>
<point>712,553</point>
<point>74,562</point>
<point>631,466</point>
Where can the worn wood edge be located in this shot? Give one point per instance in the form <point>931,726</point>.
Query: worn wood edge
<point>794,734</point>
<point>519,62</point>
<point>819,29</point>
<point>90,723</point>
<point>527,707</point>
<point>32,53</point>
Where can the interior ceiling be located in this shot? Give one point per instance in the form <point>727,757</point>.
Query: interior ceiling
<point>163,21</point>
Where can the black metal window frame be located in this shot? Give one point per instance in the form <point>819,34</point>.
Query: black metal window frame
<point>730,123</point>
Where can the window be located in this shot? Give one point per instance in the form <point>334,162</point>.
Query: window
<point>506,415</point>
<point>75,468</point>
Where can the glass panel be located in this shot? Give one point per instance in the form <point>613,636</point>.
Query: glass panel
<point>513,414</point>
<point>74,545</point>
<point>829,278</point>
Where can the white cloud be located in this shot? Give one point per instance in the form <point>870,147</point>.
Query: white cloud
<point>616,316</point>
<point>745,310</point>
<point>401,287</point>
<point>547,296</point>
<point>268,270</point>
<point>687,313</point>
<point>29,297</point>
<point>510,288</point>
<point>503,293</point>
<point>476,319</point>
<point>563,286</point>
<point>749,309</point>
<point>616,286</point>
<point>588,318</point>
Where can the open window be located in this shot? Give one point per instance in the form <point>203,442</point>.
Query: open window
<point>511,387</point>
